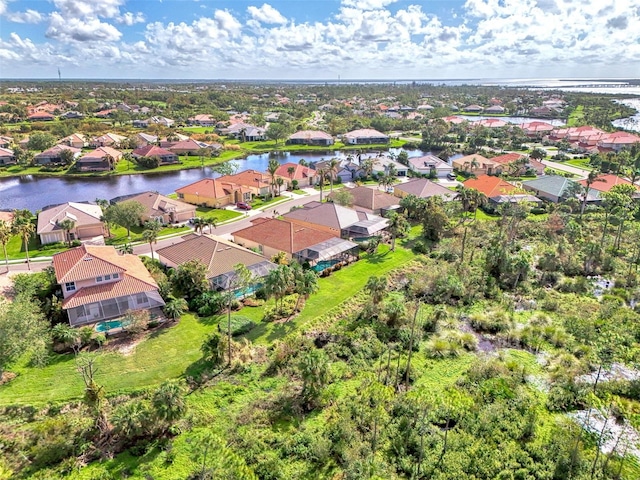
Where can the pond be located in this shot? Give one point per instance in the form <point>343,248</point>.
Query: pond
<point>34,192</point>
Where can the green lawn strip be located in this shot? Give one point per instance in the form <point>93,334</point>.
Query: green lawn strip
<point>259,203</point>
<point>577,117</point>
<point>119,234</point>
<point>165,353</point>
<point>220,215</point>
<point>334,290</point>
<point>583,163</point>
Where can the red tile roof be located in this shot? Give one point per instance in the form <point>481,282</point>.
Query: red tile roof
<point>282,235</point>
<point>606,182</point>
<point>490,186</point>
<point>211,188</point>
<point>300,172</point>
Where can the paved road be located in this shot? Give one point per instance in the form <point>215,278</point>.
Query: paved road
<point>581,172</point>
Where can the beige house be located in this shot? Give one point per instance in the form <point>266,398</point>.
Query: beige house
<point>76,140</point>
<point>99,160</point>
<point>211,192</point>
<point>86,219</point>
<point>477,165</point>
<point>161,208</point>
<point>305,176</point>
<point>100,284</point>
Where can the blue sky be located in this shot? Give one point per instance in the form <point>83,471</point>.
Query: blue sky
<point>320,39</point>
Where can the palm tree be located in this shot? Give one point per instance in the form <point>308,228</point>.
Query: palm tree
<point>305,282</point>
<point>168,402</point>
<point>150,234</point>
<point>175,307</point>
<point>279,184</point>
<point>198,224</point>
<point>5,235</point>
<point>398,226</point>
<point>25,230</point>
<point>590,180</point>
<point>322,172</point>
<point>367,166</point>
<point>67,225</point>
<point>314,370</point>
<point>272,168</point>
<point>332,171</point>
<point>210,222</point>
<point>377,288</point>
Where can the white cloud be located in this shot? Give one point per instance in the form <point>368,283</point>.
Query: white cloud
<point>3,6</point>
<point>130,18</point>
<point>367,4</point>
<point>89,8</point>
<point>28,16</point>
<point>266,14</point>
<point>81,30</point>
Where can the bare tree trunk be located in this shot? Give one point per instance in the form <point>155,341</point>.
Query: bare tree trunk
<point>413,325</point>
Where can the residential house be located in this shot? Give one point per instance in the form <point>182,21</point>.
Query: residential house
<point>338,220</point>
<point>536,129</point>
<point>365,136</point>
<point>172,140</point>
<point>143,139</point>
<point>553,188</point>
<point>495,109</point>
<point>305,244</point>
<point>41,117</point>
<point>161,208</point>
<point>454,120</point>
<point>346,170</point>
<point>430,165</point>
<point>165,156</point>
<point>473,108</point>
<point>202,120</point>
<point>107,140</point>
<point>191,147</point>
<point>370,199</point>
<point>218,255</point>
<point>7,157</point>
<point>310,137</point>
<point>617,141</point>
<point>164,121</point>
<point>491,186</point>
<point>244,132</point>
<point>423,188</point>
<point>211,192</point>
<point>71,114</point>
<point>100,284</point>
<point>476,164</point>
<point>305,176</point>
<point>86,218</point>
<point>257,182</point>
<point>99,160</point>
<point>76,140</point>
<point>53,154</point>
<point>518,164</point>
<point>385,164</point>
<point>605,182</point>
<point>5,142</point>
<point>489,123</point>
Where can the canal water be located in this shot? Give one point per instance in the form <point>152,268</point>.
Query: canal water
<point>34,193</point>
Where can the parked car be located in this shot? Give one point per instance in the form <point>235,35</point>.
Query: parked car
<point>243,206</point>
<point>451,176</point>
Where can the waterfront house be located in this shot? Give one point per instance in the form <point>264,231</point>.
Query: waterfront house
<point>165,156</point>
<point>192,147</point>
<point>475,164</point>
<point>7,157</point>
<point>143,139</point>
<point>86,218</point>
<point>53,154</point>
<point>99,160</point>
<point>211,192</point>
<point>305,176</point>
<point>219,256</point>
<point>244,132</point>
<point>100,284</point>
<point>365,136</point>
<point>160,208</point>
<point>202,120</point>
<point>310,137</point>
<point>258,183</point>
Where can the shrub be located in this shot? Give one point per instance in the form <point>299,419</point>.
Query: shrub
<point>491,322</point>
<point>239,325</point>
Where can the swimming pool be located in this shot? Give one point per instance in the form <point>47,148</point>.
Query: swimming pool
<point>110,325</point>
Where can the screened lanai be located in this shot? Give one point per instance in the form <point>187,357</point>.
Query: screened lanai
<point>365,229</point>
<point>326,254</point>
<point>258,270</point>
<point>113,307</point>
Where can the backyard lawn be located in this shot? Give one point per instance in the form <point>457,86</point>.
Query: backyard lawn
<point>171,352</point>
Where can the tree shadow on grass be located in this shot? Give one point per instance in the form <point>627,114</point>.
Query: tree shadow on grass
<point>213,319</point>
<point>378,257</point>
